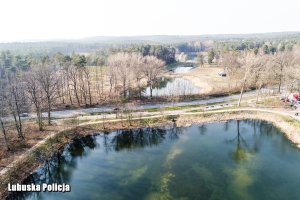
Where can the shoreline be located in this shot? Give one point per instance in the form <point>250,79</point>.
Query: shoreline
<point>27,163</point>
<point>286,124</point>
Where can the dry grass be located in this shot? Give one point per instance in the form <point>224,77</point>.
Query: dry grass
<point>19,146</point>
<point>207,78</point>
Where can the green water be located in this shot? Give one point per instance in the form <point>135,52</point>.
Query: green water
<point>237,160</point>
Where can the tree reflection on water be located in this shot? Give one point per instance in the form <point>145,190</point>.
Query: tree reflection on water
<point>248,143</point>
<point>137,138</point>
<point>241,145</point>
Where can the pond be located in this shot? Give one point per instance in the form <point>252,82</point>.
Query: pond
<point>247,160</point>
<point>182,69</point>
<point>173,87</point>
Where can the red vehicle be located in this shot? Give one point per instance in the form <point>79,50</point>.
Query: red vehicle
<point>293,97</point>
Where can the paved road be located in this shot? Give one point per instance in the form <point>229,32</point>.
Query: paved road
<point>77,112</point>
<point>73,113</point>
<point>227,106</point>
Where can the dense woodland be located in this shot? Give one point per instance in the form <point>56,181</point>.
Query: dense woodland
<point>40,82</point>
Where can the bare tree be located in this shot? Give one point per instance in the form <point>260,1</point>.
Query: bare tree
<point>128,70</point>
<point>36,95</point>
<point>66,77</point>
<point>121,70</point>
<point>262,75</point>
<point>73,77</point>
<point>4,133</point>
<point>86,72</point>
<point>100,78</point>
<point>112,80</point>
<point>153,67</point>
<point>137,66</point>
<point>124,70</point>
<point>250,65</point>
<point>294,71</point>
<point>3,114</point>
<point>48,80</point>
<point>231,65</point>
<point>281,61</point>
<point>16,101</point>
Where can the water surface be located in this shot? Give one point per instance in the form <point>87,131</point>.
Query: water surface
<point>182,69</point>
<point>244,160</point>
<point>173,87</point>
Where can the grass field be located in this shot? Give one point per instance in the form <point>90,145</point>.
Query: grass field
<point>207,78</point>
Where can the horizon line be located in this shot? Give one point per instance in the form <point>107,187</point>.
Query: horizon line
<point>143,35</point>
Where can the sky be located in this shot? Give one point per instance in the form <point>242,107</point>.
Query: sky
<point>22,20</point>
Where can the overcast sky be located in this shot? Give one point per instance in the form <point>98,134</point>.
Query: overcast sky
<point>67,19</point>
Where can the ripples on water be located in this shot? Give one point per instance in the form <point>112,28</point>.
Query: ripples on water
<point>246,160</point>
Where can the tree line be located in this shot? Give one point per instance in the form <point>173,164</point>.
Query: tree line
<point>162,52</point>
<point>259,69</point>
<point>47,82</point>
<point>40,84</point>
